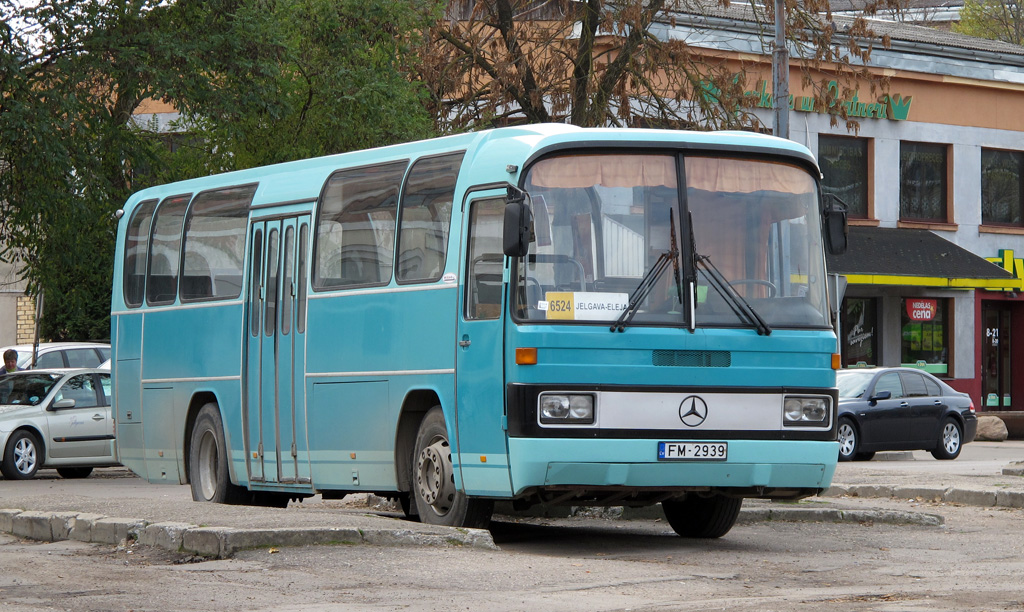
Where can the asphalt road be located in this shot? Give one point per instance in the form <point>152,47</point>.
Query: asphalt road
<point>973,560</point>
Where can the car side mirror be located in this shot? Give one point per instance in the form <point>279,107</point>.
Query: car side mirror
<point>61,404</point>
<point>836,228</point>
<point>517,233</point>
<point>881,395</point>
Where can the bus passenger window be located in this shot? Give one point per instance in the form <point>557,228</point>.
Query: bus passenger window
<point>162,277</point>
<point>136,249</point>
<point>484,271</point>
<point>356,222</point>
<point>426,213</point>
<point>214,244</point>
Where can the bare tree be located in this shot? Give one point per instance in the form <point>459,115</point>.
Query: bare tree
<point>631,62</point>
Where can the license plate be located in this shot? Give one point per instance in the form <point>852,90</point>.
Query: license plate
<point>693,451</point>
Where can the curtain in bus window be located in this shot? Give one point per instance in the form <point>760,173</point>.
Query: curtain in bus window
<point>215,243</point>
<point>356,224</point>
<point>586,171</point>
<point>136,248</point>
<point>162,277</point>
<point>426,216</point>
<point>759,223</point>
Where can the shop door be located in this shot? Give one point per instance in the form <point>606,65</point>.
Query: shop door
<point>995,356</point>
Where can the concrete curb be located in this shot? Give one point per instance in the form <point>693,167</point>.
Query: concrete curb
<point>217,542</point>
<point>985,498</point>
<point>831,515</point>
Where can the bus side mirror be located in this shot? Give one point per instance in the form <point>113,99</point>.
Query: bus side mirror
<point>835,226</point>
<point>518,227</point>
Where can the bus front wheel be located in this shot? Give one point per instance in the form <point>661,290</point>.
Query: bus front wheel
<point>434,493</point>
<point>702,517</point>
<point>208,461</point>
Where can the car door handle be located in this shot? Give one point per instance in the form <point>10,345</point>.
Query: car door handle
<point>938,402</point>
<point>904,404</point>
<point>97,417</point>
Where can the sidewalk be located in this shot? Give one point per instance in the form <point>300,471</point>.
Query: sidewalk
<point>165,515</point>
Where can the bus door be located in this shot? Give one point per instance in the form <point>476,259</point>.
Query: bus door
<point>479,373</point>
<point>277,447</point>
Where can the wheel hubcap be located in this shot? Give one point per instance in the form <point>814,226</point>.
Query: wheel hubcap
<point>25,456</point>
<point>847,439</point>
<point>208,457</point>
<point>435,482</point>
<point>951,438</point>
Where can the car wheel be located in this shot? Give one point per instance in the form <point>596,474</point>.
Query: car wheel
<point>950,440</point>
<point>437,500</point>
<point>22,456</point>
<point>849,440</point>
<point>702,517</point>
<point>74,472</point>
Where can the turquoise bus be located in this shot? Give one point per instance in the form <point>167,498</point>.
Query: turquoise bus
<point>545,315</point>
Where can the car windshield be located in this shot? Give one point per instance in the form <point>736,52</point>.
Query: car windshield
<point>612,231</point>
<point>26,389</point>
<point>852,383</point>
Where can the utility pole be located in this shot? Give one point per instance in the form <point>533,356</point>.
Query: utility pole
<point>780,73</point>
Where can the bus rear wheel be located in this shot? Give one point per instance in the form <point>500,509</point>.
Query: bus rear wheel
<point>702,517</point>
<point>208,461</point>
<point>437,500</point>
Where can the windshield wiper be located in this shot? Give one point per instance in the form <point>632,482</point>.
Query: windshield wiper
<point>739,305</point>
<point>650,279</point>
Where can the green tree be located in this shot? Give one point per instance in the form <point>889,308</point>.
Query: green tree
<point>992,19</point>
<point>255,81</point>
<point>598,62</point>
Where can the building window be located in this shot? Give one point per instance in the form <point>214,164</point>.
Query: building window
<point>1001,191</point>
<point>860,332</point>
<point>844,167</point>
<point>923,182</point>
<point>925,341</point>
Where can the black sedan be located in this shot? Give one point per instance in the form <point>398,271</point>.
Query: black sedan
<point>901,409</point>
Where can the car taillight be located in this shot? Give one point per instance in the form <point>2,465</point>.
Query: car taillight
<point>972,406</point>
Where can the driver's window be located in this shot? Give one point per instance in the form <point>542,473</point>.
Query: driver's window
<point>484,268</point>
<point>82,389</point>
<point>889,382</point>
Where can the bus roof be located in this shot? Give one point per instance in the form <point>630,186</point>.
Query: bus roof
<point>498,148</point>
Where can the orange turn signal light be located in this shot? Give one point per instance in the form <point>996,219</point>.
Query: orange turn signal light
<point>526,356</point>
<point>837,361</point>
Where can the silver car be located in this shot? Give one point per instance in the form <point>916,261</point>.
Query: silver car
<point>55,419</point>
<point>61,354</point>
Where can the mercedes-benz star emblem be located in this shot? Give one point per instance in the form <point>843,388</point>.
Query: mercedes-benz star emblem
<point>692,411</point>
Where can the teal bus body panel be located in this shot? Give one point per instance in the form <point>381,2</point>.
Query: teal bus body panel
<point>633,463</point>
<point>381,331</point>
<point>371,349</point>
<point>593,355</point>
<point>173,372</point>
<point>348,435</point>
<point>166,357</point>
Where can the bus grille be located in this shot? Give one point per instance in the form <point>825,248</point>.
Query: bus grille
<point>692,359</point>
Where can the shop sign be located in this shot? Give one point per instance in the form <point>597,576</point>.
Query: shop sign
<point>889,106</point>
<point>921,309</point>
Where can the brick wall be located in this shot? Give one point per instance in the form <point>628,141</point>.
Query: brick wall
<point>26,319</point>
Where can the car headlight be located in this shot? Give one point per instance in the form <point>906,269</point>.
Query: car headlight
<point>565,408</point>
<point>809,411</point>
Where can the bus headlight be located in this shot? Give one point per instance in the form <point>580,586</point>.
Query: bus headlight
<point>811,411</point>
<point>565,408</point>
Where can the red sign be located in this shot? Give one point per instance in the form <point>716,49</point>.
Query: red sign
<point>921,309</point>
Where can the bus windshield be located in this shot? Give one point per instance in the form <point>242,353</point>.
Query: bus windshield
<point>747,229</point>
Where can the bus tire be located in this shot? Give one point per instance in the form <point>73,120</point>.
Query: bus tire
<point>208,461</point>
<point>702,517</point>
<point>437,500</point>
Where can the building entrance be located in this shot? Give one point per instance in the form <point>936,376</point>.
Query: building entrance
<point>995,355</point>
